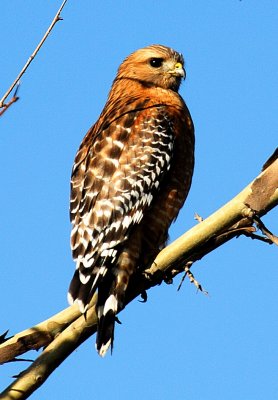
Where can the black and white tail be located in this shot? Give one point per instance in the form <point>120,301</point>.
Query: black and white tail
<point>107,306</point>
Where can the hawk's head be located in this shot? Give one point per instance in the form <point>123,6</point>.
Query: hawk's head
<point>155,65</point>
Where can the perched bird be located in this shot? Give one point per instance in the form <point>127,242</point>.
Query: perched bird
<point>130,177</point>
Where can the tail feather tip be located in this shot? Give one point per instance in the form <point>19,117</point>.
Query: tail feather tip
<point>103,348</point>
<point>82,307</point>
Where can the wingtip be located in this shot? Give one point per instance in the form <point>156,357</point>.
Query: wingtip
<point>70,299</point>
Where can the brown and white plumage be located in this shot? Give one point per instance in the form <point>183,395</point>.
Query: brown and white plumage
<point>130,178</point>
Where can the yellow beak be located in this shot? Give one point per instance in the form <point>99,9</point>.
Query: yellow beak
<point>178,70</point>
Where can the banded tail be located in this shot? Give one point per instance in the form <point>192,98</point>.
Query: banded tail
<point>107,306</point>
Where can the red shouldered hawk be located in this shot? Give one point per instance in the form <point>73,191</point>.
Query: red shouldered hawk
<point>130,178</point>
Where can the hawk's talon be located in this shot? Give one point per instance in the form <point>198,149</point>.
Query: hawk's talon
<point>144,297</point>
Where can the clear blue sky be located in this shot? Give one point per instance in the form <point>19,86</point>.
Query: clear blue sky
<point>179,345</point>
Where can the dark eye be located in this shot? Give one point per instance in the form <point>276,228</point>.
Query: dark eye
<point>156,62</point>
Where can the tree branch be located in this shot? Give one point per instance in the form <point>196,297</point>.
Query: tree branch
<point>13,100</point>
<point>30,59</point>
<point>65,331</point>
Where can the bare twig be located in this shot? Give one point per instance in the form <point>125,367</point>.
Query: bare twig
<point>273,238</point>
<point>31,58</point>
<point>13,100</point>
<point>198,217</point>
